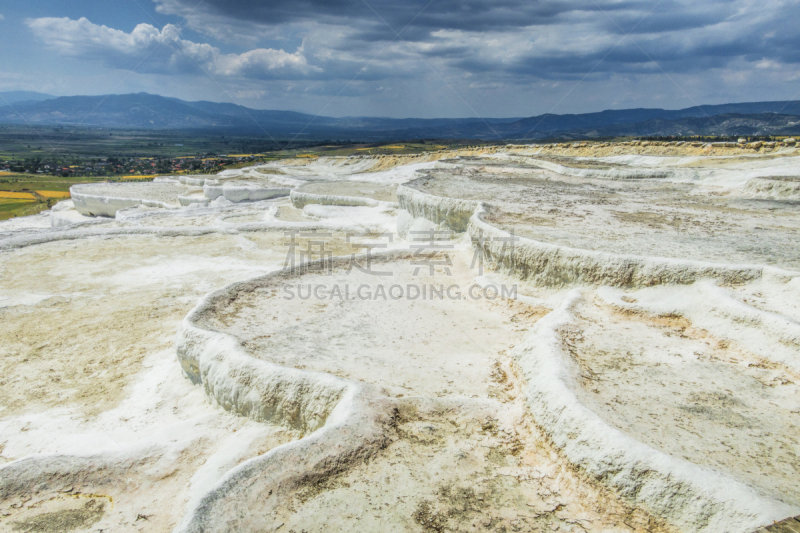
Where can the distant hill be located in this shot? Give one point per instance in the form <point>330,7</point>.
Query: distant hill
<point>550,123</point>
<point>123,111</point>
<point>730,124</point>
<point>147,111</point>
<point>13,97</point>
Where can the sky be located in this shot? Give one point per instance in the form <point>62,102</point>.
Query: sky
<point>409,58</point>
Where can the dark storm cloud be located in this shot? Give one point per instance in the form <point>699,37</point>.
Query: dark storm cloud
<point>470,15</point>
<point>320,46</point>
<point>546,39</point>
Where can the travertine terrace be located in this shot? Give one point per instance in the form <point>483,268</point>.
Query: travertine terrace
<point>572,337</point>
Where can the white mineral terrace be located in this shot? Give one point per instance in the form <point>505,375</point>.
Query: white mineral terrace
<point>560,338</point>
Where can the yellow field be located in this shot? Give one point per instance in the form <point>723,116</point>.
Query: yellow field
<point>307,155</point>
<point>53,194</point>
<point>17,195</point>
<point>245,155</point>
<point>394,147</point>
<point>6,173</point>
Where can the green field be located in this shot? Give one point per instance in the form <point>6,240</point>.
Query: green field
<point>11,207</point>
<point>22,142</point>
<point>28,183</point>
<point>18,208</point>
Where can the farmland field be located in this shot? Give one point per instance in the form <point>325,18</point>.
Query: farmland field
<point>16,195</point>
<point>14,207</point>
<point>53,194</point>
<point>20,142</point>
<point>24,194</point>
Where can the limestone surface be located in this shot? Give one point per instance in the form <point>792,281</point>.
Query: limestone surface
<point>574,337</point>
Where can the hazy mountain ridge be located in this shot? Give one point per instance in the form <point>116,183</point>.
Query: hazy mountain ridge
<point>727,123</point>
<point>149,111</point>
<point>15,97</point>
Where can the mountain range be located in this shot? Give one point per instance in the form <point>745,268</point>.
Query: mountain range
<point>15,97</point>
<point>148,111</point>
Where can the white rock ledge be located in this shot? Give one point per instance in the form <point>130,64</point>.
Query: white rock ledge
<point>345,421</point>
<point>105,199</point>
<point>692,497</point>
<point>611,173</point>
<point>444,213</point>
<point>301,199</point>
<point>242,193</point>
<point>107,206</point>
<point>561,266</point>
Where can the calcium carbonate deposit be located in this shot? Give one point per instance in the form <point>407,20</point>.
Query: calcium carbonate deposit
<point>582,337</point>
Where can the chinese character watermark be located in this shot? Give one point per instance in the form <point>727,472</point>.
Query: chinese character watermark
<point>366,267</point>
<point>431,254</point>
<point>315,258</point>
<point>505,254</point>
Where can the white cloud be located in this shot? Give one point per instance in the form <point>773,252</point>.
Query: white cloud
<point>250,64</point>
<point>515,57</point>
<point>2,17</point>
<point>149,49</point>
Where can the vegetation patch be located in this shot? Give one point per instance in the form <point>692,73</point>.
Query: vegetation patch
<point>10,208</point>
<point>17,195</point>
<point>428,518</point>
<point>53,194</point>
